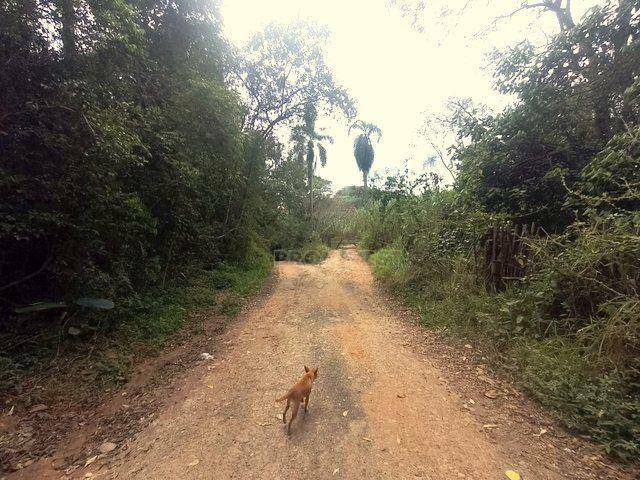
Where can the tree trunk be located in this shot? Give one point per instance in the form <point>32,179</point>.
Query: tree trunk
<point>365,179</point>
<point>67,9</point>
<point>564,15</point>
<point>311,168</point>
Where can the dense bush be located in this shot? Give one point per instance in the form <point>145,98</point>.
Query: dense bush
<point>573,96</point>
<point>111,180</point>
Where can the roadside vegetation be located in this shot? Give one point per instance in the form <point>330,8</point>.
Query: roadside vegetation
<point>143,177</point>
<point>565,158</point>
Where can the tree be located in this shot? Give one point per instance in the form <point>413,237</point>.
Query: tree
<point>438,131</point>
<point>278,73</point>
<point>122,148</point>
<point>281,71</point>
<point>561,9</point>
<point>308,147</point>
<point>363,146</point>
<point>573,97</point>
<point>414,10</point>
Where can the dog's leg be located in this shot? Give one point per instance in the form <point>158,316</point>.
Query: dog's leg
<point>306,404</point>
<point>284,414</point>
<point>294,413</point>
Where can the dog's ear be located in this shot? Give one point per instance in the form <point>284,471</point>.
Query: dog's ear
<point>306,369</point>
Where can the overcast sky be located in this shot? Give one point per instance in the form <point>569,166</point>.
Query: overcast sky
<point>393,70</point>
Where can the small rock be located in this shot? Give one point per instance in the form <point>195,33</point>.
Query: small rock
<point>107,447</point>
<point>206,356</point>
<point>345,413</point>
<point>491,394</point>
<point>90,460</point>
<point>38,408</point>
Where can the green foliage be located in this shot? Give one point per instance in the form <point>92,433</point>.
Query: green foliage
<point>104,179</point>
<point>152,319</point>
<point>610,183</point>
<point>557,373</point>
<point>246,278</point>
<point>569,331</point>
<point>314,251</point>
<point>572,374</point>
<point>507,162</point>
<point>353,195</point>
<point>126,157</point>
<point>433,223</point>
<point>390,266</point>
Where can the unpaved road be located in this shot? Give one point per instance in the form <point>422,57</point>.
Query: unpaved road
<point>382,407</point>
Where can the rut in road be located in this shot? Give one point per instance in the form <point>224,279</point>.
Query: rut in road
<point>380,408</point>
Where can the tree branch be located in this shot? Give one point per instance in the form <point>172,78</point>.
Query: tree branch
<point>31,275</point>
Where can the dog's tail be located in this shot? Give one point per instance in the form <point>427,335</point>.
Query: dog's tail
<point>283,398</point>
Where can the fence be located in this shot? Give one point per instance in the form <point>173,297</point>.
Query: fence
<point>502,255</point>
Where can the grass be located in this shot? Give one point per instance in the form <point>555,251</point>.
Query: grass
<point>138,327</point>
<point>557,370</point>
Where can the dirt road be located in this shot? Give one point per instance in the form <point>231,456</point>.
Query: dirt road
<point>387,403</point>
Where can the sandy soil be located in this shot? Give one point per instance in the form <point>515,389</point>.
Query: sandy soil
<point>390,402</point>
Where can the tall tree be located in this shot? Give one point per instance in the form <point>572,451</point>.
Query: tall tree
<point>363,146</point>
<point>308,146</point>
<point>573,97</point>
<point>278,73</point>
<point>281,71</point>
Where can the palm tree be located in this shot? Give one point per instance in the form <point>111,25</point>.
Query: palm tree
<point>363,146</point>
<point>308,142</point>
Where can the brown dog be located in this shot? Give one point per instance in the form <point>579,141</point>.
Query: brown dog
<point>299,393</point>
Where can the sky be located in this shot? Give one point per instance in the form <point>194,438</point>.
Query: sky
<point>400,68</point>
